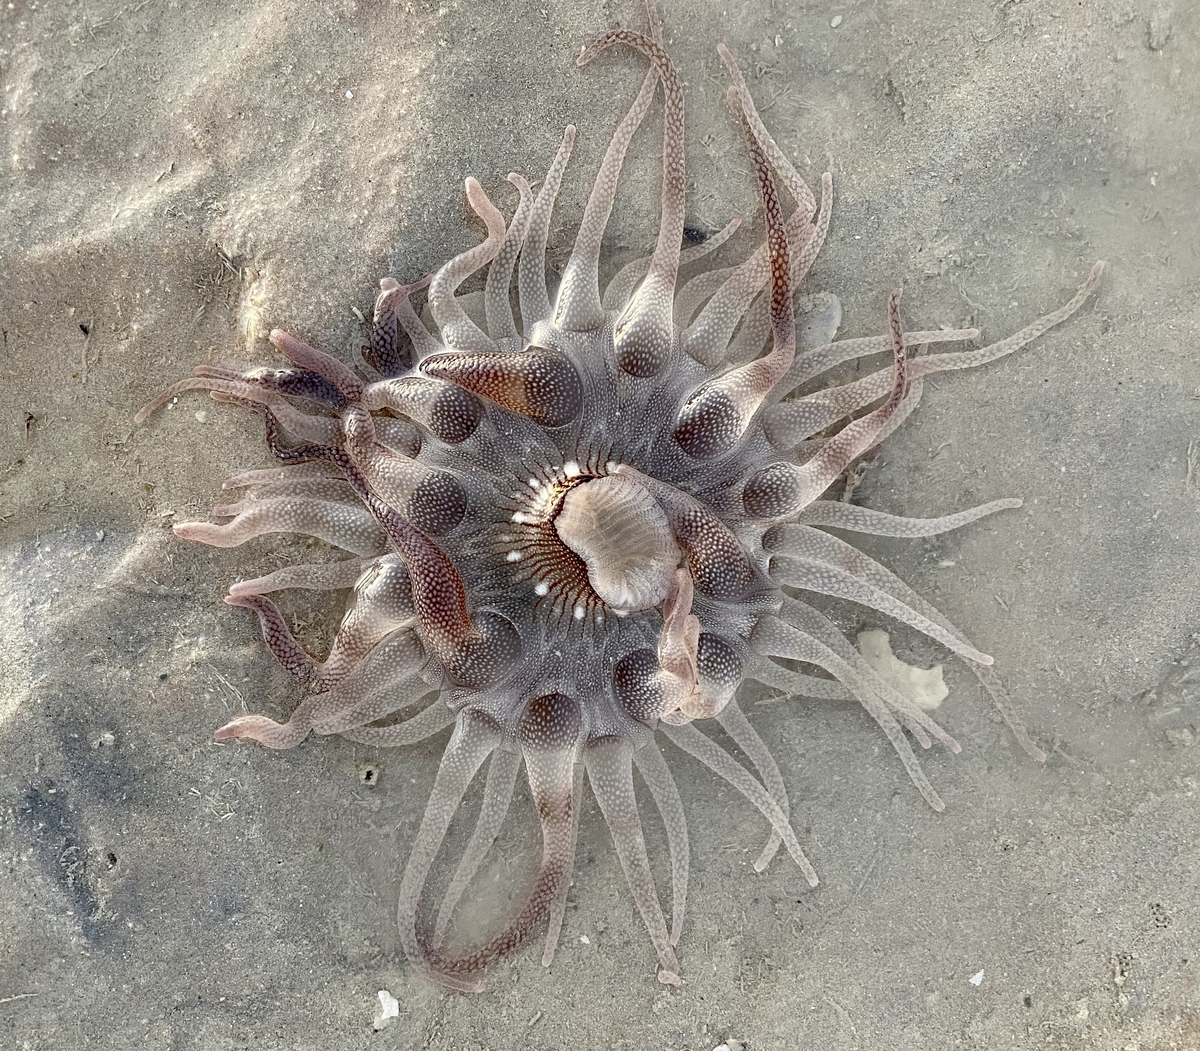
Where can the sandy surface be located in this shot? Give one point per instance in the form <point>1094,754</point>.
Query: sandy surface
<point>179,178</point>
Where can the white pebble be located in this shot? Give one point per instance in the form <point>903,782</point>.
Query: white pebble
<point>836,21</point>
<point>389,1008</point>
<point>976,978</point>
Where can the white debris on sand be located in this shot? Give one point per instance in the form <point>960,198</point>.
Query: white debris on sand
<point>388,1010</point>
<point>923,686</point>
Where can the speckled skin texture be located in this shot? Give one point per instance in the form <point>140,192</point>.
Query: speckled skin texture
<point>589,533</point>
<point>238,912</point>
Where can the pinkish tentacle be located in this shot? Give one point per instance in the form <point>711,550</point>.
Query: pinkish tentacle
<point>809,365</point>
<point>813,560</point>
<point>657,775</point>
<point>459,332</point>
<point>838,515</point>
<point>327,576</point>
<point>854,396</point>
<point>290,474</point>
<point>394,315</point>
<point>497,300</point>
<point>781,490</point>
<point>425,724</point>
<point>475,737</point>
<point>531,271</point>
<point>748,343</point>
<point>398,301</point>
<point>278,637</point>
<point>620,288</point>
<point>697,745</point>
<point>558,904</point>
<point>778,160</point>
<point>324,365</point>
<point>549,733</point>
<point>644,333</point>
<point>610,773</point>
<point>579,308</point>
<point>735,723</point>
<point>497,794</point>
<point>717,414</point>
<point>344,525</point>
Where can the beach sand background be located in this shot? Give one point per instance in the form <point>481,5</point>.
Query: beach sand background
<point>181,177</point>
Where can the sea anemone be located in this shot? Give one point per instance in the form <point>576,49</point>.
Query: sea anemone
<point>577,533</point>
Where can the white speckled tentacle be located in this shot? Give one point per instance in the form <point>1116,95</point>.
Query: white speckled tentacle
<point>497,297</point>
<point>497,794</point>
<point>663,789</point>
<point>644,333</point>
<point>579,308</point>
<point>610,773</point>
<point>712,755</point>
<point>734,720</point>
<point>459,332</point>
<point>531,269</point>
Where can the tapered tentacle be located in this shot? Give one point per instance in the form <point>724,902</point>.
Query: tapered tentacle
<point>497,299</point>
<point>549,734</point>
<point>783,638</point>
<point>857,519</point>
<point>291,474</point>
<point>610,773</point>
<point>809,365</point>
<point>278,637</point>
<point>915,719</point>
<point>540,384</point>
<point>990,681</point>
<point>793,683</point>
<point>344,525</point>
<point>747,344</point>
<point>620,288</point>
<point>853,396</point>
<point>497,794</point>
<point>429,721</point>
<point>389,355</point>
<point>558,903</point>
<point>327,576</point>
<point>735,723</point>
<point>449,413</point>
<point>717,414</point>
<point>474,739</point>
<point>697,745</point>
<point>400,311</point>
<point>579,308</point>
<point>657,775</point>
<point>644,332</point>
<point>807,558</point>
<point>459,332</point>
<point>531,271</point>
<point>778,160</point>
<point>336,373</point>
<point>383,683</point>
<point>780,490</point>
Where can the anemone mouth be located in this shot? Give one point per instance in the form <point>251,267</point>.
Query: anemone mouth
<point>576,533</point>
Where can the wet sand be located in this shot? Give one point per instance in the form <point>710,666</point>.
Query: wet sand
<point>180,178</point>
